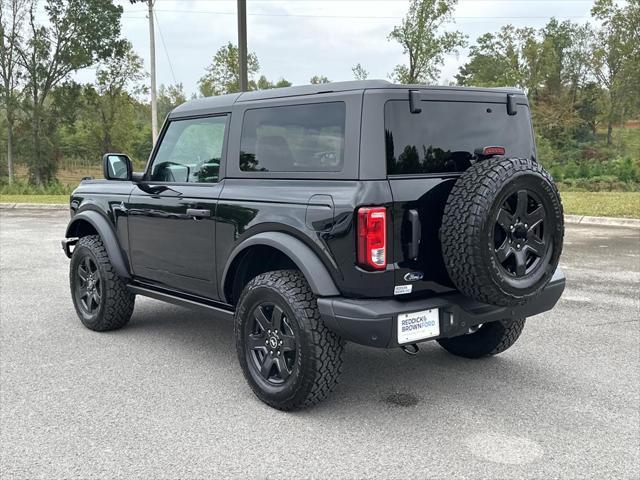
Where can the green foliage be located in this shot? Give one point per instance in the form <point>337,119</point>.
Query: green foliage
<point>20,187</point>
<point>418,35</point>
<point>223,74</point>
<point>359,73</point>
<point>77,34</point>
<point>265,84</point>
<point>318,79</point>
<point>170,97</point>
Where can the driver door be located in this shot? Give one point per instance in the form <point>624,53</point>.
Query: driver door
<point>172,212</point>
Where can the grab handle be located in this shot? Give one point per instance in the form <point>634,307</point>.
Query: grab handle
<point>414,245</point>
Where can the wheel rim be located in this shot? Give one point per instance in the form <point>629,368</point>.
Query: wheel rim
<point>88,285</point>
<point>520,234</point>
<point>271,343</point>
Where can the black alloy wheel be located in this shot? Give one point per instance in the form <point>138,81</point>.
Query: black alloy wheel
<point>520,243</point>
<point>289,357</point>
<point>271,343</point>
<point>502,231</point>
<point>101,298</point>
<point>88,285</point>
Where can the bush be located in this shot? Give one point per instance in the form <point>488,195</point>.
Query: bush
<point>19,187</point>
<point>626,169</point>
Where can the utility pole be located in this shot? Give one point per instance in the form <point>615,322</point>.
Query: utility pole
<point>152,62</point>
<point>154,102</point>
<point>242,44</point>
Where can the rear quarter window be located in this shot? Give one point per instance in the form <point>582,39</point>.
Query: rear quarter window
<point>294,138</point>
<point>444,136</point>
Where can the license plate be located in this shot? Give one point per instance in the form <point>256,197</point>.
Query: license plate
<point>418,325</point>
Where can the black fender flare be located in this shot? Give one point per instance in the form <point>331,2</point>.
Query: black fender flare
<point>305,259</point>
<point>107,235</point>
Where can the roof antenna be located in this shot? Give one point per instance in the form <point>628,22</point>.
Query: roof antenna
<point>414,101</point>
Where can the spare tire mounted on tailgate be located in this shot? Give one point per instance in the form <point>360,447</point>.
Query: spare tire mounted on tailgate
<point>502,230</point>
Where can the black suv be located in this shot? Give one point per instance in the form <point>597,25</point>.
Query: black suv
<point>369,212</point>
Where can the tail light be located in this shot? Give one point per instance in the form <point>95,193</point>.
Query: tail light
<point>490,151</point>
<point>372,238</point>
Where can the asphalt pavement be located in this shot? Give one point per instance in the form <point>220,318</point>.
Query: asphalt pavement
<point>165,398</point>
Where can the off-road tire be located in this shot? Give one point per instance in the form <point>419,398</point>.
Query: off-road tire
<point>490,339</point>
<point>117,302</point>
<point>468,234</point>
<point>318,351</point>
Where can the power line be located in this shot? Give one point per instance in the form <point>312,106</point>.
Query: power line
<point>352,17</point>
<point>164,45</point>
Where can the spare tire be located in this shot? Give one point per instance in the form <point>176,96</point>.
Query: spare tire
<point>502,230</point>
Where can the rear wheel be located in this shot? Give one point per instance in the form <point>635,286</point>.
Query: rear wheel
<point>289,357</point>
<point>489,339</point>
<point>101,298</point>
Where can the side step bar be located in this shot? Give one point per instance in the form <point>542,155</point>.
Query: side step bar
<point>183,300</point>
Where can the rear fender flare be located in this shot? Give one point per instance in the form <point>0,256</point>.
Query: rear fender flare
<point>305,259</point>
<point>107,235</point>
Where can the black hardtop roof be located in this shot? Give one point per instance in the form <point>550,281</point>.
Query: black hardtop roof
<point>200,105</point>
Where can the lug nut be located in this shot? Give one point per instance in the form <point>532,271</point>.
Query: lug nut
<point>280,342</point>
<point>518,246</point>
<point>266,342</point>
<point>271,352</point>
<point>278,352</point>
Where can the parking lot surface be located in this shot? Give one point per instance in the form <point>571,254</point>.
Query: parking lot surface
<point>165,397</point>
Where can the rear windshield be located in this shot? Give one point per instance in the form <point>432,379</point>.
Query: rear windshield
<point>444,136</point>
<point>296,138</point>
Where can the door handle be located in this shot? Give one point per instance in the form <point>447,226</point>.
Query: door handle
<point>198,213</point>
<point>414,246</point>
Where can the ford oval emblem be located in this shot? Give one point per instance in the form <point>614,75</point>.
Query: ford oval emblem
<point>413,276</point>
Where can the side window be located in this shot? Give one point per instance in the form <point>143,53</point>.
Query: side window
<point>296,138</point>
<point>190,151</point>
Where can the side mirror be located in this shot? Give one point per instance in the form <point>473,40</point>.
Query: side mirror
<point>116,166</point>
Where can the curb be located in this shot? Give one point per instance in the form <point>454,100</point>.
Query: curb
<point>608,221</point>
<point>573,219</point>
<point>34,206</point>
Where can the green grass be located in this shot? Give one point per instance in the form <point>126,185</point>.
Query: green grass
<point>34,199</point>
<point>602,204</point>
<point>596,204</point>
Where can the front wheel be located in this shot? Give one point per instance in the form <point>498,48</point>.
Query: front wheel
<point>489,339</point>
<point>289,357</point>
<point>101,298</point>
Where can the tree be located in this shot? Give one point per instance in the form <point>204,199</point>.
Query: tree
<point>169,98</point>
<point>78,34</point>
<point>109,97</point>
<point>318,79</point>
<point>265,84</point>
<point>359,73</point>
<point>12,13</point>
<point>616,59</point>
<point>223,74</point>
<point>418,35</point>
<point>507,58</point>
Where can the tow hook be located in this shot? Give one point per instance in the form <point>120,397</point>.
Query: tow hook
<point>410,349</point>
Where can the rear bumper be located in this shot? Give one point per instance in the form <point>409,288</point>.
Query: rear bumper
<point>374,322</point>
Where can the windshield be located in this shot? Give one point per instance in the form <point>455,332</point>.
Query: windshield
<point>445,135</point>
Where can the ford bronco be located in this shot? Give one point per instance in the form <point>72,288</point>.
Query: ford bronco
<point>380,214</point>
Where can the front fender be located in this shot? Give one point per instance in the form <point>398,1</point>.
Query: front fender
<point>107,234</point>
<point>305,259</point>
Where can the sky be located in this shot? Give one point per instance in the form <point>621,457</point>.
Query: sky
<point>297,39</point>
